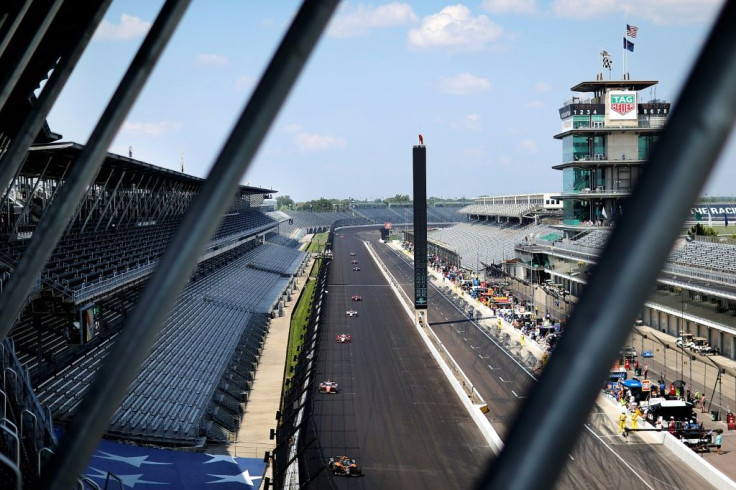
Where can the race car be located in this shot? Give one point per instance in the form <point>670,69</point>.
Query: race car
<point>356,268</point>
<point>354,261</point>
<point>329,387</point>
<point>343,466</point>
<point>356,297</point>
<point>351,313</point>
<point>343,338</point>
<point>353,254</point>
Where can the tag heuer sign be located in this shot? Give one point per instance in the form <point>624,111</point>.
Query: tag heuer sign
<point>623,105</point>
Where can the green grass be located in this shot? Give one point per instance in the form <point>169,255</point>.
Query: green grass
<point>318,242</point>
<point>303,311</point>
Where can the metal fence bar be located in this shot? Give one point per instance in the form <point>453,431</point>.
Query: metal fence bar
<point>628,267</point>
<point>84,170</point>
<point>200,222</point>
<point>7,84</point>
<point>13,157</point>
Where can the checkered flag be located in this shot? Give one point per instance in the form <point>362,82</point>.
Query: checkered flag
<point>606,59</point>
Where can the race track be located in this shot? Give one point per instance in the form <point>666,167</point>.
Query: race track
<point>400,418</point>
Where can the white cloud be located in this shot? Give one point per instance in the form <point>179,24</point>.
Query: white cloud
<point>657,11</point>
<point>153,129</point>
<point>130,27</point>
<point>542,87</point>
<point>356,22</point>
<point>309,142</point>
<point>534,104</point>
<point>243,83</point>
<point>464,84</point>
<point>211,60</point>
<point>455,27</point>
<point>470,122</point>
<point>519,7</point>
<point>527,147</point>
<point>293,128</point>
<point>475,153</point>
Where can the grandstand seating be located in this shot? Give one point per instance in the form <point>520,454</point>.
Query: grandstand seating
<point>706,255</point>
<point>484,243</point>
<point>195,381</point>
<point>507,210</point>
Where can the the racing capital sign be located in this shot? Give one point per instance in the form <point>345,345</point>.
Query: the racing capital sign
<point>623,105</point>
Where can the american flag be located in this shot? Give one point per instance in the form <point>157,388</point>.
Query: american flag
<point>631,30</point>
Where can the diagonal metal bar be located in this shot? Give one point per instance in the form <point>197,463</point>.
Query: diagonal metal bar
<point>19,16</point>
<point>628,267</point>
<point>84,170</point>
<point>15,155</point>
<point>143,326</point>
<point>8,83</point>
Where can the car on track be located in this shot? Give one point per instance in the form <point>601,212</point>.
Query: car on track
<point>354,261</point>
<point>343,338</point>
<point>356,297</point>
<point>330,387</point>
<point>342,236</point>
<point>351,313</point>
<point>343,466</point>
<point>353,254</point>
<point>356,268</point>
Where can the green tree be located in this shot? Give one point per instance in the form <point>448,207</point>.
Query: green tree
<point>700,230</point>
<point>284,202</point>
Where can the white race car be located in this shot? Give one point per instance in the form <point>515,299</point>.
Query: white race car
<point>351,313</point>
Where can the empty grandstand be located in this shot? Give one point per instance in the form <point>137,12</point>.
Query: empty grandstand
<point>194,384</point>
<point>481,244</point>
<point>379,213</point>
<point>520,208</point>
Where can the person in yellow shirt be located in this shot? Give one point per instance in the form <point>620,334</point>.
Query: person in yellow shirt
<point>634,418</point>
<point>622,421</point>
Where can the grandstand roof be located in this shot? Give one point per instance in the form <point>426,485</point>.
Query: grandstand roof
<point>599,85</point>
<point>38,159</point>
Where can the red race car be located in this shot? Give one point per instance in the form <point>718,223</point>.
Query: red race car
<point>329,387</point>
<point>356,297</point>
<point>355,261</point>
<point>344,338</point>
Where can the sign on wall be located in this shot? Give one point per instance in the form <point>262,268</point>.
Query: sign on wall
<point>623,105</point>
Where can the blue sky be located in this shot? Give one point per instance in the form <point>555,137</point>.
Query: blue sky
<point>481,81</point>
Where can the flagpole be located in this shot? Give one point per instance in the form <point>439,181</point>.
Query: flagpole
<point>623,65</point>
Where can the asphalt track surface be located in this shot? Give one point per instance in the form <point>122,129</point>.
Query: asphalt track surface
<point>396,412</point>
<point>398,415</point>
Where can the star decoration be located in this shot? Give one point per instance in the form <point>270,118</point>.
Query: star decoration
<point>243,477</point>
<point>128,480</point>
<point>136,461</point>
